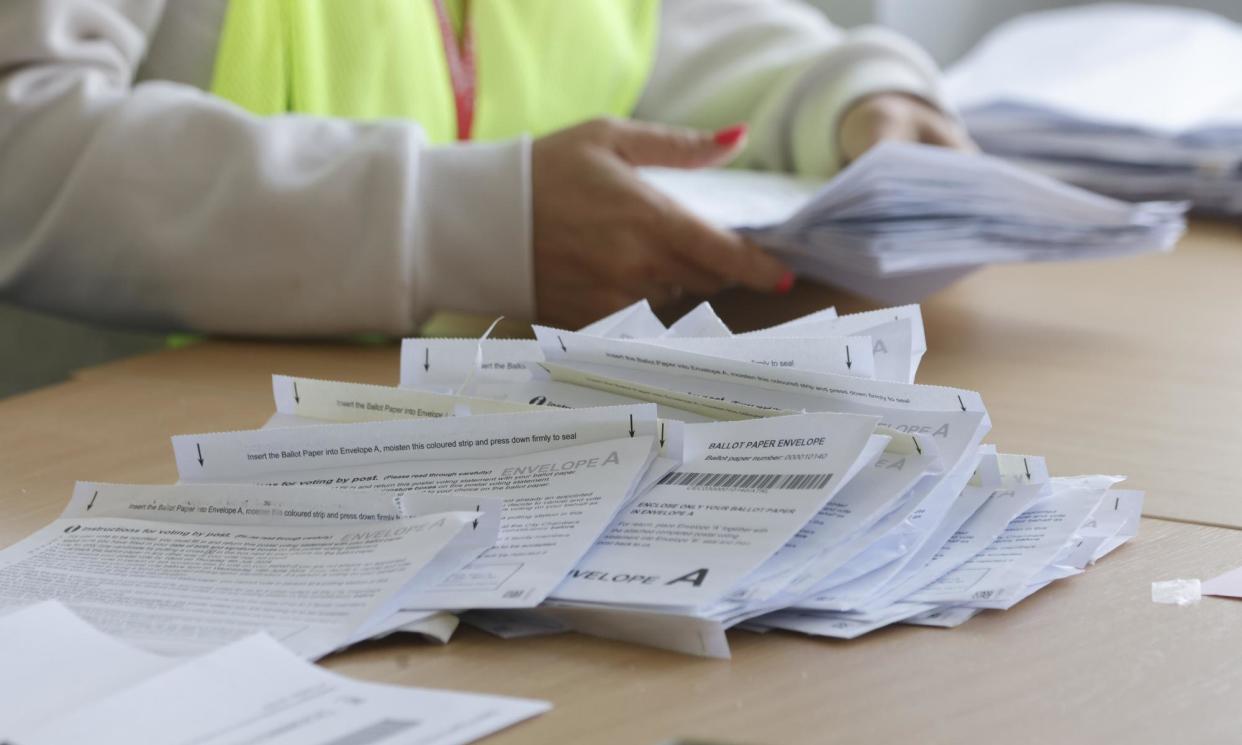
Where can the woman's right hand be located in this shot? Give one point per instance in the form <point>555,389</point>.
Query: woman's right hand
<point>603,238</point>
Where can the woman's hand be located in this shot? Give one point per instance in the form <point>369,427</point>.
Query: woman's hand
<point>603,238</point>
<point>896,116</point>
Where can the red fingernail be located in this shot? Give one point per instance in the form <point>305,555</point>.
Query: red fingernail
<point>730,136</point>
<point>785,284</point>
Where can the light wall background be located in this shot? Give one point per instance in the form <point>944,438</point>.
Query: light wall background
<point>36,349</point>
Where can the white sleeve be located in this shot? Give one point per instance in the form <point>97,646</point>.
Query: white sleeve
<point>160,206</point>
<point>783,68</point>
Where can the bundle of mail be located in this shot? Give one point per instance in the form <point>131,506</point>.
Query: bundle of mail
<point>631,481</point>
<point>1128,100</point>
<point>906,220</point>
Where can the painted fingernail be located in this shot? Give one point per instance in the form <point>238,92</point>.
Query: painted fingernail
<point>785,284</point>
<point>730,136</point>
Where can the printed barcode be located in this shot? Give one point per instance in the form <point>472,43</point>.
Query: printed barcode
<point>748,480</point>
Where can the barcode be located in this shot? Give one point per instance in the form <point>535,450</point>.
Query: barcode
<point>748,480</point>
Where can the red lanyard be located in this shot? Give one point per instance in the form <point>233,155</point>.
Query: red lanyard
<point>460,57</point>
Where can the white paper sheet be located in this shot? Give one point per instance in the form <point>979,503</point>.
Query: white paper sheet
<point>255,691</point>
<point>335,401</point>
<point>744,489</point>
<point>55,662</point>
<point>182,588</point>
<point>557,499</point>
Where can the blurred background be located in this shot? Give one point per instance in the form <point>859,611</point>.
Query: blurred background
<point>38,349</point>
<point>949,28</point>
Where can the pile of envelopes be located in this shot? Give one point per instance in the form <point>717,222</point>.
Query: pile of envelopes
<point>905,220</point>
<point>1126,100</point>
<point>627,480</point>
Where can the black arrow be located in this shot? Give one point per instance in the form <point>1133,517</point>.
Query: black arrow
<point>631,425</point>
<point>91,503</point>
<point>916,445</point>
<point>661,434</point>
<point>426,359</point>
<point>200,453</point>
<point>562,341</point>
<point>959,400</point>
<point>476,520</point>
<point>296,398</point>
<point>1028,469</point>
<point>849,364</point>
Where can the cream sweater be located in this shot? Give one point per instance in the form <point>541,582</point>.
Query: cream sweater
<point>129,195</point>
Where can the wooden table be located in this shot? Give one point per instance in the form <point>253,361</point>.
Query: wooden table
<point>1130,366</point>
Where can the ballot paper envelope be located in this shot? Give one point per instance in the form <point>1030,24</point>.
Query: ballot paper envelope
<point>652,483</point>
<point>905,220</point>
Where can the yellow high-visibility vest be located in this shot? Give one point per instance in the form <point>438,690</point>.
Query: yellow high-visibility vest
<point>541,64</point>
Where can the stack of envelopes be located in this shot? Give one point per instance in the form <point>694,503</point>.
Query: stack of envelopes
<point>904,220</point>
<point>1125,100</point>
<point>650,484</point>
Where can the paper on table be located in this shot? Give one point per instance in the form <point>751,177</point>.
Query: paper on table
<point>744,489</point>
<point>55,662</point>
<point>999,575</point>
<point>358,402</point>
<point>503,377</point>
<point>898,338</point>
<point>740,389</point>
<point>701,323</point>
<point>923,527</point>
<point>255,691</point>
<point>556,500</point>
<point>838,625</point>
<point>1150,120</point>
<point>1149,67</point>
<point>1227,585</point>
<point>446,363</point>
<point>955,542</point>
<point>945,617</point>
<point>633,321</point>
<point>771,388</point>
<point>837,355</point>
<point>676,632</point>
<point>513,624</point>
<point>225,456</point>
<point>180,588</point>
<point>815,552</point>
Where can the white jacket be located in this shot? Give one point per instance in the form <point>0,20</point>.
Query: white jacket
<point>129,195</point>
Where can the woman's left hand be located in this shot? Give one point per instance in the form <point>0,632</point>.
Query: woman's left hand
<point>883,117</point>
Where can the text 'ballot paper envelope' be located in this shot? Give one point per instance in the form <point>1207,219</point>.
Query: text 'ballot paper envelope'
<point>561,476</point>
<point>251,690</point>
<point>744,489</point>
<point>177,586</point>
<point>904,209</point>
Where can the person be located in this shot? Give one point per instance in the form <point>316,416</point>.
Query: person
<point>321,167</point>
